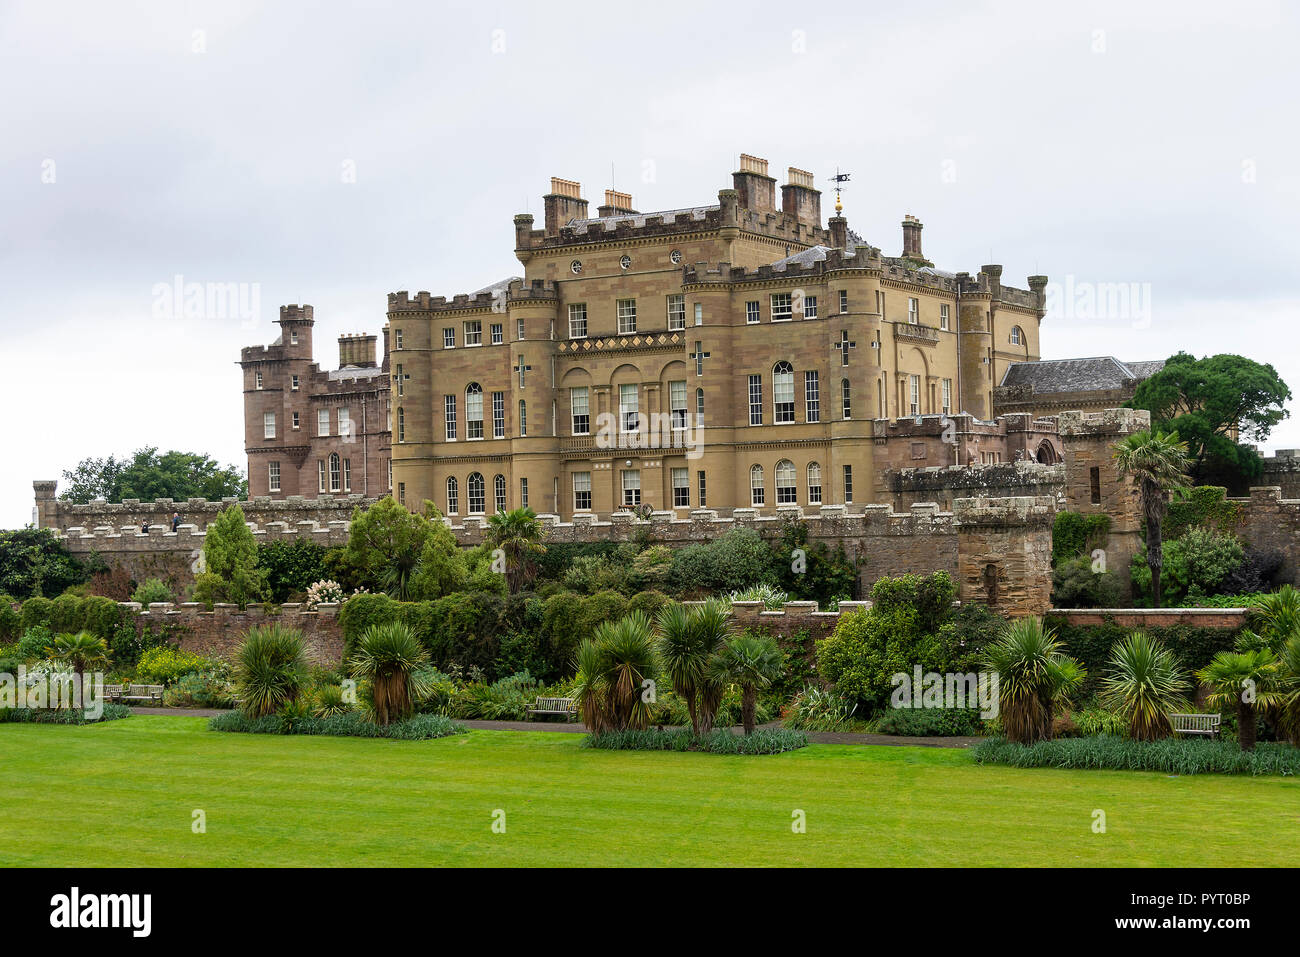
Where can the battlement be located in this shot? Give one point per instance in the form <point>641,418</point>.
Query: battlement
<point>1019,511</point>
<point>296,313</point>
<point>1105,422</point>
<point>488,300</point>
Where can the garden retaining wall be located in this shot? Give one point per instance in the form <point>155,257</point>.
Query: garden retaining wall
<point>217,633</point>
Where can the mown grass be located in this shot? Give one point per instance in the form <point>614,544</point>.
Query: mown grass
<point>123,793</point>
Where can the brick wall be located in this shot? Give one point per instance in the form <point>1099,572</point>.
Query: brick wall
<point>217,633</point>
<point>1230,618</point>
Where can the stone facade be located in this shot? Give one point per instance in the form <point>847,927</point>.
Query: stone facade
<point>313,432</point>
<point>764,344</point>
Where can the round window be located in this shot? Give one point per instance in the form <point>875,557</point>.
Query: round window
<point>675,256</point>
<point>625,262</point>
<point>576,266</point>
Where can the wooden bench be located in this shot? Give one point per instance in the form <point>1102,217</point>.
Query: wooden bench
<point>113,693</point>
<point>1206,724</point>
<point>149,695</point>
<point>565,706</point>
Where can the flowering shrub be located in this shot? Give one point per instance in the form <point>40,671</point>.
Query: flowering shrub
<point>324,593</point>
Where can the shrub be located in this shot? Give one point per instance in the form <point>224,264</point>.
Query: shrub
<point>270,669</point>
<point>327,700</point>
<point>930,722</point>
<point>290,566</point>
<point>389,657</point>
<point>100,616</point>
<point>151,590</point>
<point>718,741</point>
<point>589,574</point>
<point>165,665</point>
<point>1144,685</point>
<point>1167,756</point>
<point>34,642</point>
<point>1076,585</point>
<point>773,598</point>
<point>200,689</point>
<point>36,611</point>
<point>111,712</point>
<point>11,622</point>
<point>420,727</point>
<point>504,700</point>
<point>1199,564</point>
<point>324,592</point>
<point>816,709</point>
<point>736,560</point>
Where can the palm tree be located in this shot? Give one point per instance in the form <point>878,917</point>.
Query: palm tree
<point>518,534</point>
<point>1157,462</point>
<point>390,657</point>
<point>614,665</point>
<point>1243,678</point>
<point>1144,686</point>
<point>270,669</point>
<point>1276,617</point>
<point>1034,678</point>
<point>1288,680</point>
<point>752,661</point>
<point>80,650</point>
<point>689,638</point>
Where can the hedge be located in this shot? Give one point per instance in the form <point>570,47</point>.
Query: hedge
<point>70,613</point>
<point>1091,645</point>
<point>1170,756</point>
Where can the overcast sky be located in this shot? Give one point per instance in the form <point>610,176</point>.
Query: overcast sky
<point>332,153</point>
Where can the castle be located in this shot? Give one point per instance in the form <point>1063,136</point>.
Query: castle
<point>732,355</point>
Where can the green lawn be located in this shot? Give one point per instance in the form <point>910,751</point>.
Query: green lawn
<point>123,793</point>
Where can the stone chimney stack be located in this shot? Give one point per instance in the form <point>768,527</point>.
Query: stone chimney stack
<point>800,200</point>
<point>1038,285</point>
<point>839,227</point>
<point>563,203</point>
<point>357,350</point>
<point>616,204</point>
<point>756,189</point>
<point>912,237</point>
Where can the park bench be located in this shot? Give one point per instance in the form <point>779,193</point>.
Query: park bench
<point>565,706</point>
<point>113,693</point>
<point>1206,724</point>
<point>150,695</point>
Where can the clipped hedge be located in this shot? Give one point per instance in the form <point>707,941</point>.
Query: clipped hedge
<point>71,613</point>
<point>350,724</point>
<point>1091,645</point>
<point>1170,756</point>
<point>111,712</point>
<point>718,741</point>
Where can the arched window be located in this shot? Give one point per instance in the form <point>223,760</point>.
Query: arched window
<point>477,492</point>
<point>523,417</point>
<point>1017,336</point>
<point>474,411</point>
<point>499,492</point>
<point>756,496</point>
<point>783,392</point>
<point>814,483</point>
<point>699,406</point>
<point>336,481</point>
<point>786,491</point>
<point>453,496</point>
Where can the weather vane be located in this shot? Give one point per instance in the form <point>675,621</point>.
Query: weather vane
<point>839,179</point>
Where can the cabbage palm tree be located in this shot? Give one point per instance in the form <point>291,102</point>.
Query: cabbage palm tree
<point>270,669</point>
<point>1144,686</point>
<point>81,650</point>
<point>389,656</point>
<point>1276,618</point>
<point>689,638</point>
<point>1157,462</point>
<point>613,666</point>
<point>518,534</point>
<point>1244,679</point>
<point>1034,678</point>
<point>752,661</point>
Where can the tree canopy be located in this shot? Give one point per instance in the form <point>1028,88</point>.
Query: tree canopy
<point>1204,401</point>
<point>35,563</point>
<point>148,475</point>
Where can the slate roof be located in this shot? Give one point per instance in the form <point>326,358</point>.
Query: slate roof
<point>1079,375</point>
<point>638,219</point>
<point>498,288</point>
